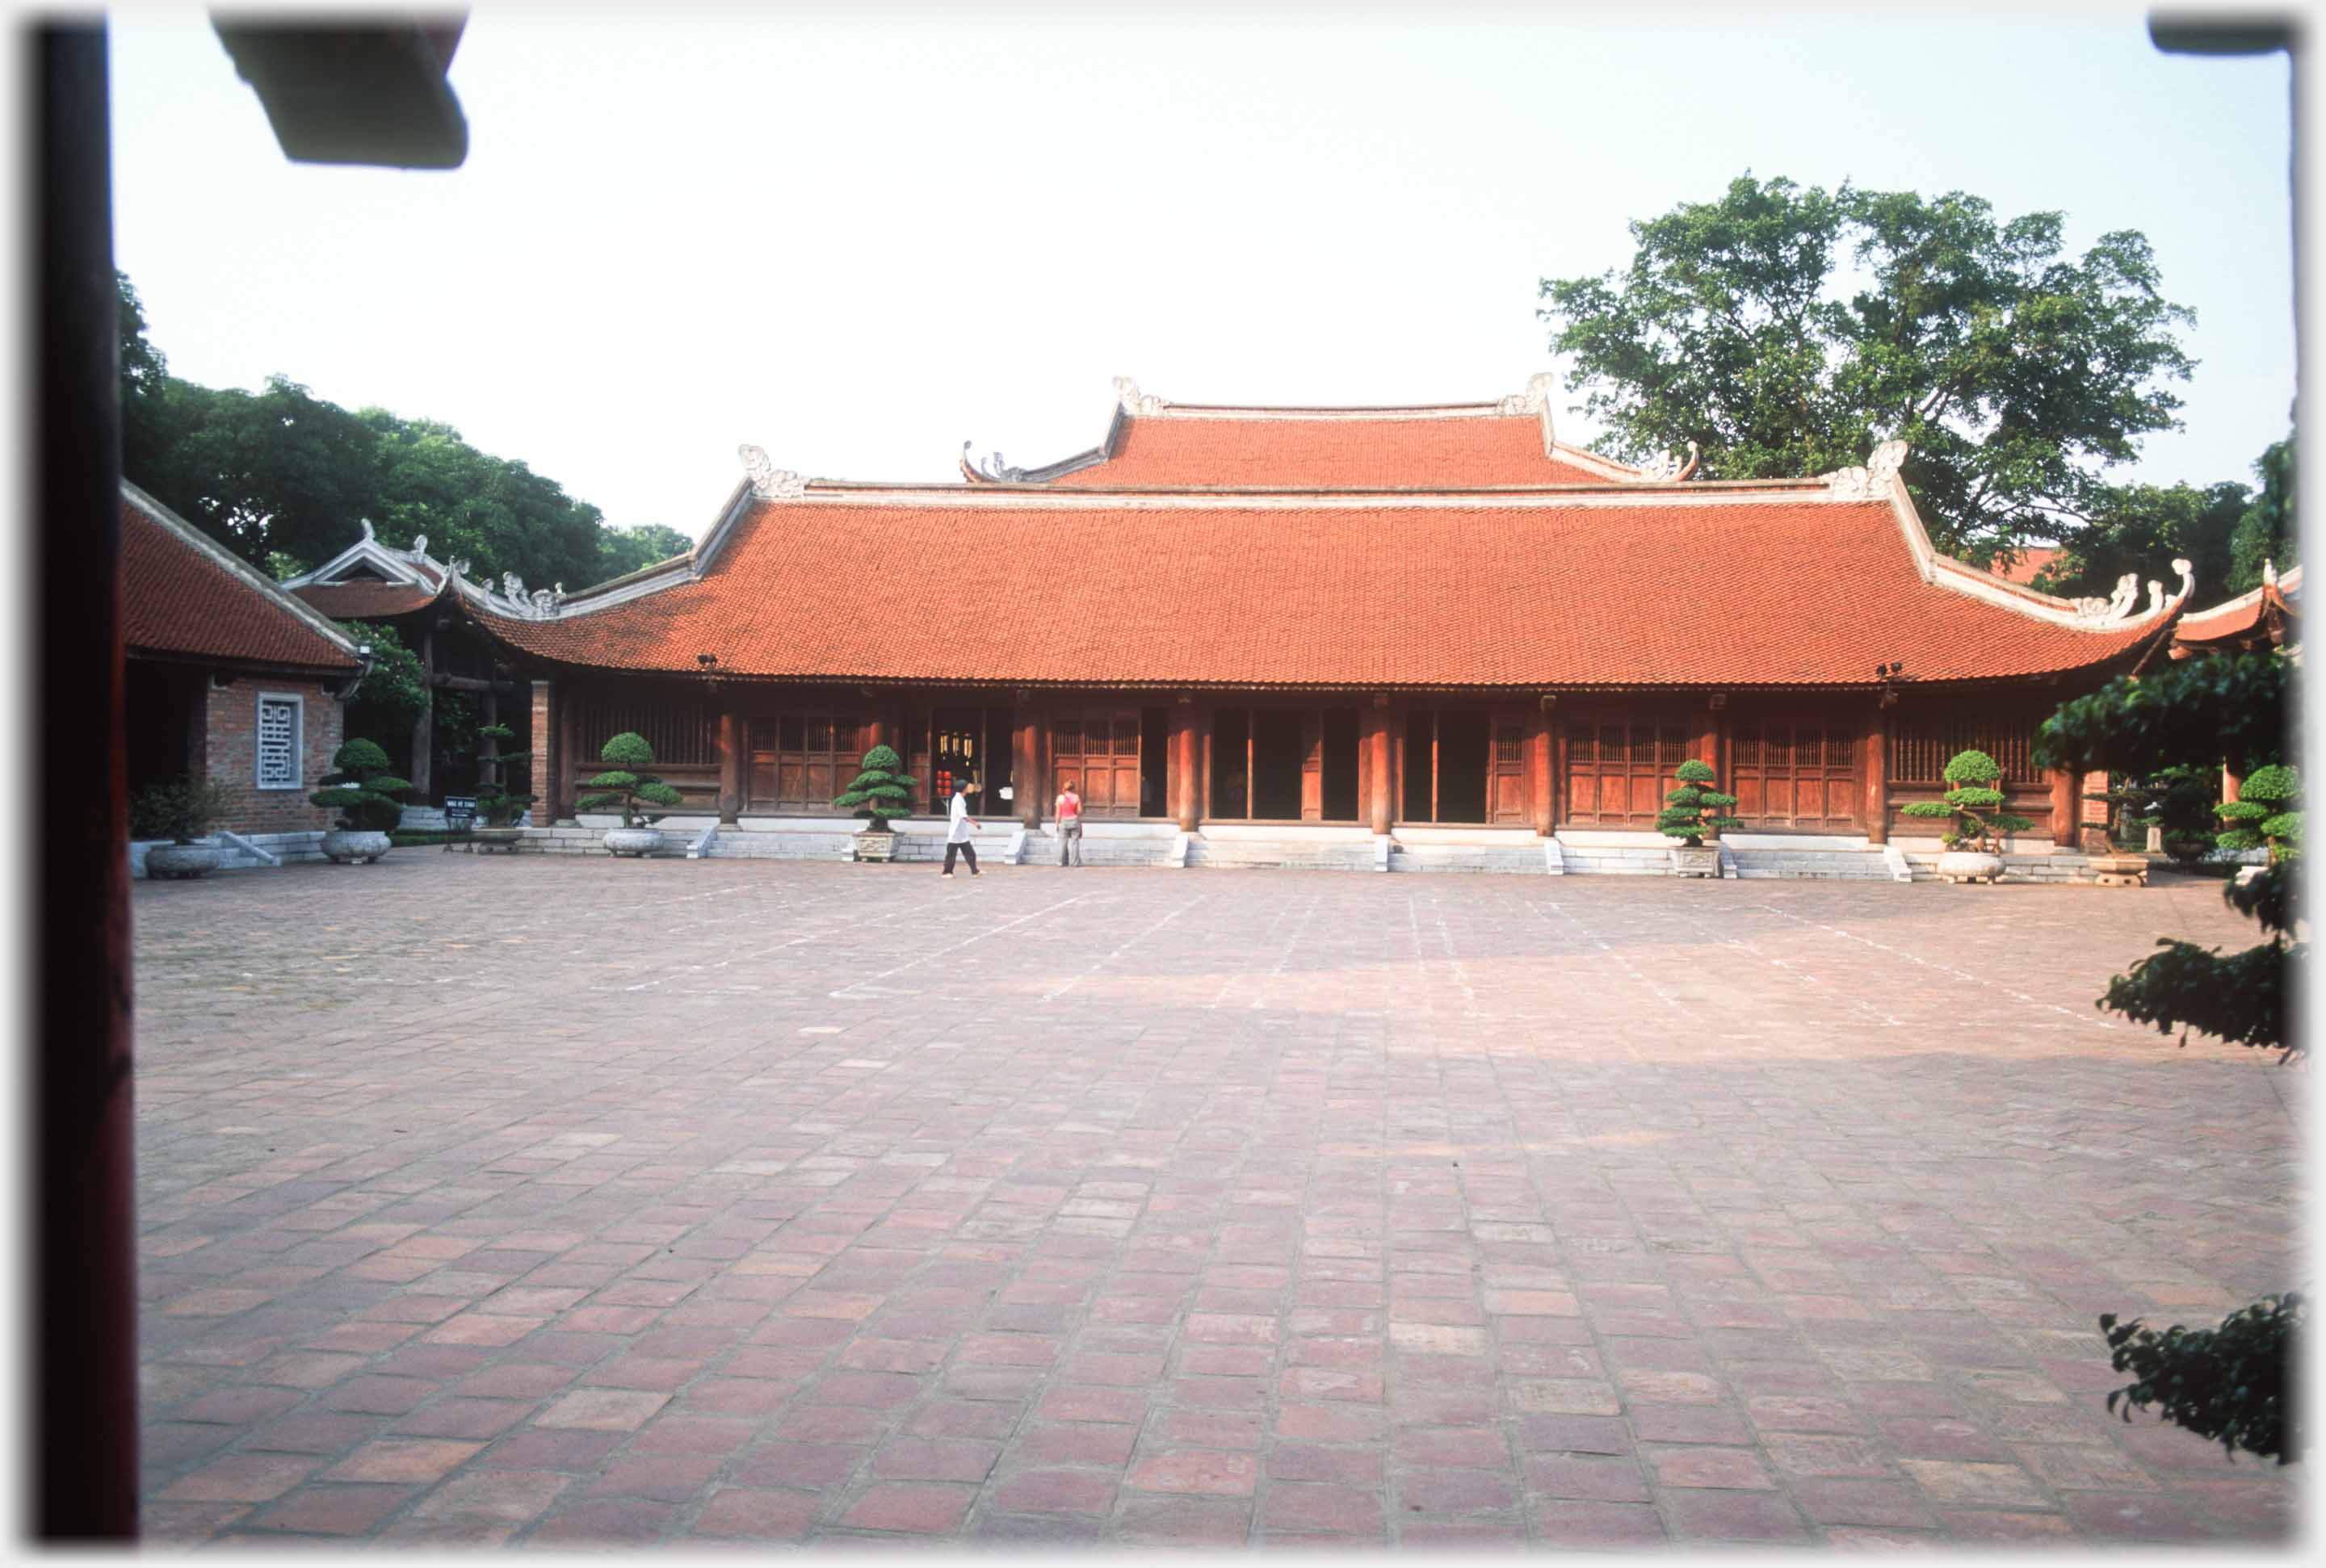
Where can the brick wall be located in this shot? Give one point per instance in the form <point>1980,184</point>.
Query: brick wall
<point>545,782</point>
<point>231,748</point>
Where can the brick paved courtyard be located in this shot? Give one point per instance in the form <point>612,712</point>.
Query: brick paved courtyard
<point>553,1201</point>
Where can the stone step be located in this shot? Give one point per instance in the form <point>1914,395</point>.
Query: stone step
<point>1256,854</point>
<point>1492,858</point>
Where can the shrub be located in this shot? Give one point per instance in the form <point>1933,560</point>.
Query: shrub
<point>2233,1382</point>
<point>2178,801</point>
<point>625,783</point>
<point>882,789</point>
<point>1974,803</point>
<point>361,790</point>
<point>2263,815</point>
<point>180,810</point>
<point>496,807</point>
<point>1692,811</point>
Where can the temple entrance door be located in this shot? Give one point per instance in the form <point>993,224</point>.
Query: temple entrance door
<point>972,743</point>
<point>1796,773</point>
<point>1506,802</point>
<point>1447,765</point>
<point>1098,748</point>
<point>1619,768</point>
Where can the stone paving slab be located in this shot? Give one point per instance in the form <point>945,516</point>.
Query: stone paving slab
<point>552,1201</point>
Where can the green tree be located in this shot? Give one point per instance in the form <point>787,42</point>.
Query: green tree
<point>394,692</point>
<point>276,471</point>
<point>1694,810</point>
<point>882,789</point>
<point>496,514</point>
<point>623,550</point>
<point>2139,528</point>
<point>1975,803</point>
<point>1788,329</point>
<point>626,785</point>
<point>2269,530</point>
<point>361,790</point>
<point>2230,1382</point>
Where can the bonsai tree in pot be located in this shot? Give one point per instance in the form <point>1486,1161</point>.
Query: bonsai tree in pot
<point>2264,816</point>
<point>882,791</point>
<point>627,788</point>
<point>361,791</point>
<point>1975,806</point>
<point>1690,813</point>
<point>496,808</point>
<point>181,812</point>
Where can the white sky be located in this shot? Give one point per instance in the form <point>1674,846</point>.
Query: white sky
<point>860,237</point>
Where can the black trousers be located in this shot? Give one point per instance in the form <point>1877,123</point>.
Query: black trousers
<point>967,853</point>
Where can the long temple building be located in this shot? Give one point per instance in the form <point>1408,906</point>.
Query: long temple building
<point>1383,619</point>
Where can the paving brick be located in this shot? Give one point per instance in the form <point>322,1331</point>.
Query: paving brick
<point>1362,1185</point>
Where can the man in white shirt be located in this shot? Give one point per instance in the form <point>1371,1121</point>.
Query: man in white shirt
<point>1070,823</point>
<point>958,830</point>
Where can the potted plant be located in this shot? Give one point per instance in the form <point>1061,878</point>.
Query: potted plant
<point>181,812</point>
<point>2263,816</point>
<point>881,793</point>
<point>361,790</point>
<point>1975,806</point>
<point>624,786</point>
<point>1692,814</point>
<point>497,809</point>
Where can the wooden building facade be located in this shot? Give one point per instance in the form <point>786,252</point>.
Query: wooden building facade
<point>1379,617</point>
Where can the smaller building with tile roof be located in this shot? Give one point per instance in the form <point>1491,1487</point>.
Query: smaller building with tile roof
<point>228,677</point>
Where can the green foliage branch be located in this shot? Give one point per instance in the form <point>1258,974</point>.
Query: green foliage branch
<point>497,805</point>
<point>1693,809</point>
<point>2263,816</point>
<point>626,786</point>
<point>2197,712</point>
<point>1974,803</point>
<point>882,791</point>
<point>360,789</point>
<point>1788,329</point>
<point>2234,1383</point>
<point>180,810</point>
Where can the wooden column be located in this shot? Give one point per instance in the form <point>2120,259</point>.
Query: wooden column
<point>541,768</point>
<point>2231,783</point>
<point>2067,806</point>
<point>1185,796</point>
<point>1539,805</point>
<point>1376,720</point>
<point>568,761</point>
<point>1877,777</point>
<point>884,731</point>
<point>1032,741</point>
<point>731,765</point>
<point>424,728</point>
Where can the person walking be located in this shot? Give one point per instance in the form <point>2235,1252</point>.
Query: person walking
<point>1070,823</point>
<point>959,829</point>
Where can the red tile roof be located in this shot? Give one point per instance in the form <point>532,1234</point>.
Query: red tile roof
<point>179,596</point>
<point>1287,451</point>
<point>356,601</point>
<point>2249,616</point>
<point>2030,560</point>
<point>1679,586</point>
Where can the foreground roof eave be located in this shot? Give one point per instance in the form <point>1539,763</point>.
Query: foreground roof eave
<point>235,565</point>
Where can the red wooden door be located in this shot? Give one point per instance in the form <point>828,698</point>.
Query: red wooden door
<point>1506,802</point>
<point>1619,770</point>
<point>1098,748</point>
<point>1789,773</point>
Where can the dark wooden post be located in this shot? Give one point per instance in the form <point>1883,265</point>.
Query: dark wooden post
<point>423,728</point>
<point>731,765</point>
<point>1377,742</point>
<point>1032,741</point>
<point>1878,776</point>
<point>568,761</point>
<point>1185,797</point>
<point>2067,806</point>
<point>1538,772</point>
<point>83,1300</point>
<point>2231,783</point>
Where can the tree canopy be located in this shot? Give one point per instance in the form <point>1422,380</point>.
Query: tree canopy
<point>2267,532</point>
<point>1788,329</point>
<point>2202,711</point>
<point>282,478</point>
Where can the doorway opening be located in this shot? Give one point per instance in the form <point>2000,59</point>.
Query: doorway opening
<point>1154,756</point>
<point>1445,771</point>
<point>1276,755</point>
<point>1340,801</point>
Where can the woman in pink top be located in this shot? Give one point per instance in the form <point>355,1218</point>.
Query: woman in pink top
<point>1070,824</point>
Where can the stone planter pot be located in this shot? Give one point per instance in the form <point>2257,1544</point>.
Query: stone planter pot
<point>2120,870</point>
<point>1702,861</point>
<point>1969,866</point>
<point>876,845</point>
<point>637,841</point>
<point>173,862</point>
<point>486,839</point>
<point>354,846</point>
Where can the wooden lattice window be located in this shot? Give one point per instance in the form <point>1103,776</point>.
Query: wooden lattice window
<point>1920,747</point>
<point>683,729</point>
<point>279,724</point>
<point>1795,774</point>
